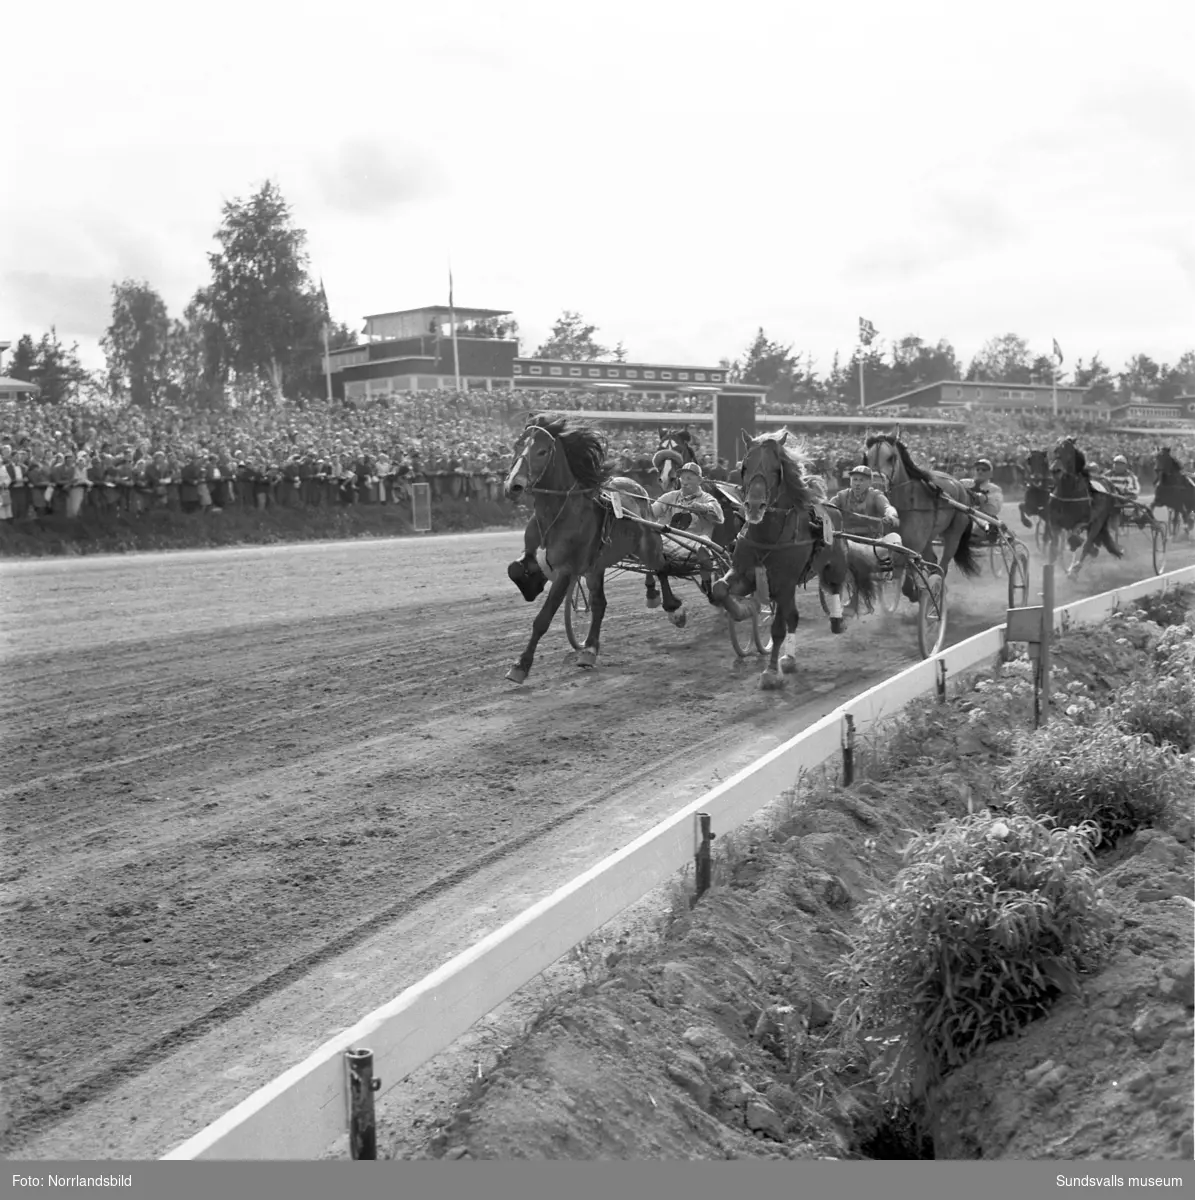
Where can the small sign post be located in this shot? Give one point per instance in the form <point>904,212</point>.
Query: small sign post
<point>1036,627</point>
<point>421,507</point>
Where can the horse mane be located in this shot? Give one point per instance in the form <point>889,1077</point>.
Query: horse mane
<point>911,468</point>
<point>584,449</point>
<point>794,462</point>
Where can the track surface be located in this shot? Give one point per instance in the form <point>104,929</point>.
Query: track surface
<point>251,794</point>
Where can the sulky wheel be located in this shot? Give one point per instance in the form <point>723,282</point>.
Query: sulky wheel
<point>577,614</point>
<point>931,615</point>
<point>1159,549</point>
<point>744,635</point>
<point>1018,576</point>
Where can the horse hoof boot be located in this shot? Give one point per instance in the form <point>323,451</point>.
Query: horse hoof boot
<point>771,681</point>
<point>678,618</point>
<point>587,657</point>
<point>516,674</point>
<point>530,580</point>
<point>788,665</point>
<point>837,624</point>
<point>653,600</point>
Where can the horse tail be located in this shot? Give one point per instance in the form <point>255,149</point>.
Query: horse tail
<point>964,556</point>
<point>860,567</point>
<point>1107,540</point>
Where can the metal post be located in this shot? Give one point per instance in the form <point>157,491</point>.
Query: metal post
<point>941,681</point>
<point>1047,637</point>
<point>701,856</point>
<point>848,752</point>
<point>363,1130</point>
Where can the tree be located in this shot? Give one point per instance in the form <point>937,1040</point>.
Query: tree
<point>261,296</point>
<point>764,362</point>
<point>1094,378</point>
<point>1178,380</point>
<point>914,364</point>
<point>196,366</point>
<point>571,340</point>
<point>55,368</point>
<point>1140,377</point>
<point>23,364</point>
<point>1003,359</point>
<point>137,344</point>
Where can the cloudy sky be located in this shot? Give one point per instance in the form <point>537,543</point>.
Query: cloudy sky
<point>679,172</point>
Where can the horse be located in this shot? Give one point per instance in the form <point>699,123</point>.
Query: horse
<point>784,538</point>
<point>1173,489</point>
<point>916,494</point>
<point>1037,490</point>
<point>576,529</point>
<point>1081,507</point>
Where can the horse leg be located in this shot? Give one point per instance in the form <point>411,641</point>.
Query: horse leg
<point>596,582</point>
<point>726,593</point>
<point>543,619</point>
<point>833,576</point>
<point>1024,516</point>
<point>788,660</point>
<point>673,606</point>
<point>527,573</point>
<point>653,593</point>
<point>771,679</point>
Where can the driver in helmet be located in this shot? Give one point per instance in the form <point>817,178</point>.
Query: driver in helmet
<point>1121,480</point>
<point>987,495</point>
<point>868,512</point>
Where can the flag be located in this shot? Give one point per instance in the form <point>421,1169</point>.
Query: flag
<point>323,304</point>
<point>1058,352</point>
<point>867,331</point>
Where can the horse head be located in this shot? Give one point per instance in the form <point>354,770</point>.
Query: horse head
<point>882,453</point>
<point>1038,464</point>
<point>552,458</point>
<point>675,449</point>
<point>773,470</point>
<point>1067,458</point>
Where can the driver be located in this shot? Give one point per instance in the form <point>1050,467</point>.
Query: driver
<point>862,507</point>
<point>1122,480</point>
<point>691,508</point>
<point>989,499</point>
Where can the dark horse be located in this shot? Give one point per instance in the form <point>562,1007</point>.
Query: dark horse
<point>918,497</point>
<point>786,538</point>
<point>1173,490</point>
<point>1081,507</point>
<point>577,529</point>
<point>1038,487</point>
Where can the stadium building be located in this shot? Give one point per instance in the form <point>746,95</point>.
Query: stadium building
<point>414,351</point>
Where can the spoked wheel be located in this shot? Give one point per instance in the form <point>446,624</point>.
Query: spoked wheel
<point>1001,558</point>
<point>889,585</point>
<point>1018,575</point>
<point>744,635</point>
<point>931,615</point>
<point>1159,547</point>
<point>577,614</point>
<point>1174,520</point>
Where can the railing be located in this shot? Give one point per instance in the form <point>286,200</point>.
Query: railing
<point>305,1110</point>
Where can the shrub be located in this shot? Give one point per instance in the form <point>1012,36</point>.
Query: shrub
<point>1072,774</point>
<point>1166,608</point>
<point>985,925</point>
<point>1162,710</point>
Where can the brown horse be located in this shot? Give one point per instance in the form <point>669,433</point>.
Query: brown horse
<point>1173,490</point>
<point>577,527</point>
<point>784,537</point>
<point>917,495</point>
<point>1079,507</point>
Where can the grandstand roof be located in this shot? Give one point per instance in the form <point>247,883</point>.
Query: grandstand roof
<point>462,314</point>
<point>17,385</point>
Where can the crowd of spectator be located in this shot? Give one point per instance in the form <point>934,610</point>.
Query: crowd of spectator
<point>62,458</point>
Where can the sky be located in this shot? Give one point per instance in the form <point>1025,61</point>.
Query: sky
<point>681,174</point>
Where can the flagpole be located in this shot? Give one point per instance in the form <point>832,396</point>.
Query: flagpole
<point>861,403</point>
<point>456,358</point>
<point>1054,380</point>
<point>327,363</point>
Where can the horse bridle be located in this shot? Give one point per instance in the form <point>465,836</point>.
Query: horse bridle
<point>769,507</point>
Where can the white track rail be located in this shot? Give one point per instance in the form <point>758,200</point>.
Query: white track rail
<point>303,1112</point>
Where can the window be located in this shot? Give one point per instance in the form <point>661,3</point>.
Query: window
<point>700,376</point>
<point>632,374</point>
<point>683,375</point>
<point>537,370</point>
<point>574,371</point>
<point>518,368</point>
<point>595,372</point>
<point>611,372</point>
<point>958,393</point>
<point>555,370</point>
<point>716,378</point>
<point>1005,394</point>
<point>649,374</point>
<point>665,374</point>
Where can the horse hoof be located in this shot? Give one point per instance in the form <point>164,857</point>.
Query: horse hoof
<point>516,674</point>
<point>770,681</point>
<point>678,618</point>
<point>788,664</point>
<point>587,658</point>
<point>653,602</point>
<point>837,624</point>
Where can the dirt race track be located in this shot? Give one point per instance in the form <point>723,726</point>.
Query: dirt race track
<point>252,794</point>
